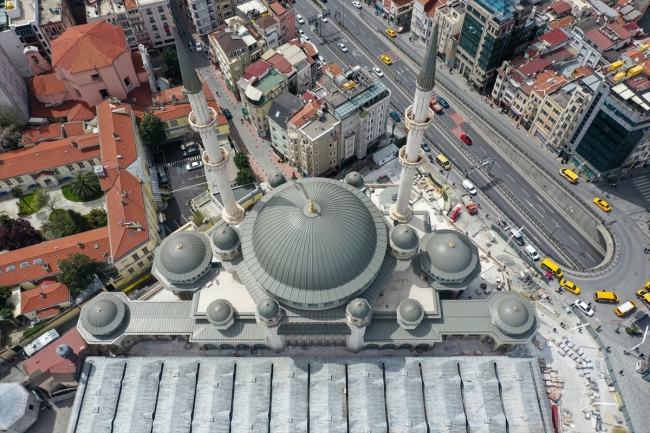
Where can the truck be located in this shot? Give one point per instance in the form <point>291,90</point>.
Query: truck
<point>472,209</point>
<point>435,106</point>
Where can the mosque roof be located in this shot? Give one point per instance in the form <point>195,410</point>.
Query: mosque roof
<point>225,238</point>
<point>183,256</point>
<point>449,256</point>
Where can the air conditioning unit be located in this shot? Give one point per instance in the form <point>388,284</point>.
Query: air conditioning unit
<point>99,171</point>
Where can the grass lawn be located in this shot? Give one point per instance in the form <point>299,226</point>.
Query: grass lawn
<point>69,196</point>
<point>26,207</point>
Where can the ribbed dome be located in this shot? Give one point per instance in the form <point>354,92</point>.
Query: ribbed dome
<point>13,404</point>
<point>512,314</point>
<point>225,238</point>
<point>355,179</point>
<point>404,237</point>
<point>219,312</point>
<point>63,350</point>
<point>103,315</point>
<point>314,243</point>
<point>410,311</point>
<point>183,256</point>
<point>358,308</point>
<point>449,257</point>
<point>268,309</point>
<point>276,179</point>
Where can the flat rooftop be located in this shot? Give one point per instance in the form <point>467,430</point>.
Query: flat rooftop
<point>318,127</point>
<point>27,12</point>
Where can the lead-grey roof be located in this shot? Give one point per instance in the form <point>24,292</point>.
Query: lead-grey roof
<point>358,308</point>
<point>410,311</point>
<point>219,312</point>
<point>168,394</point>
<point>403,238</point>
<point>183,256</point>
<point>104,314</point>
<point>512,315</point>
<point>191,82</point>
<point>225,238</point>
<point>314,260</point>
<point>268,309</point>
<point>13,404</point>
<point>276,179</point>
<point>427,76</point>
<point>449,257</point>
<point>355,179</point>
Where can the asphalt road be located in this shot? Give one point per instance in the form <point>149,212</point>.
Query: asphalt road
<point>544,211</point>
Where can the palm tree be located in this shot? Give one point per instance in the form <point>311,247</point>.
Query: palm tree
<point>85,185</point>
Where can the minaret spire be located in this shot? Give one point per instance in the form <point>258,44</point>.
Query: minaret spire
<point>418,116</point>
<point>204,120</point>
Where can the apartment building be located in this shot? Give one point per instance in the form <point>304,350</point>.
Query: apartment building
<point>399,11</point>
<point>20,30</point>
<point>422,19</point>
<point>285,15</point>
<point>203,15</point>
<point>269,29</point>
<point>258,87</point>
<point>13,89</point>
<point>55,17</point>
<point>594,36</point>
<point>450,16</point>
<point>282,109</point>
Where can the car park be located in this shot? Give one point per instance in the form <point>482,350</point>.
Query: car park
<point>582,306</point>
<point>300,19</point>
<point>190,152</point>
<point>569,286</point>
<point>602,204</point>
<point>356,5</point>
<point>393,115</point>
<point>466,139</point>
<point>343,47</point>
<point>532,252</point>
<point>384,58</point>
<point>377,72</point>
<point>425,146</point>
<point>469,187</point>
<point>391,33</point>
<point>443,102</point>
<point>194,165</point>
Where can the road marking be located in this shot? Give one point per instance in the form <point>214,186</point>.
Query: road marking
<point>555,222</point>
<point>533,207</point>
<point>590,256</point>
<point>361,31</point>
<point>524,191</point>
<point>542,201</point>
<point>574,240</point>
<point>500,167</point>
<point>511,178</point>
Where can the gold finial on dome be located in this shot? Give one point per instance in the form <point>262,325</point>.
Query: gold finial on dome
<point>406,229</point>
<point>451,245</point>
<point>179,246</point>
<point>312,208</point>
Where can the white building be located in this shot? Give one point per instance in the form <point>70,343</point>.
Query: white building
<point>592,37</point>
<point>298,59</point>
<point>13,90</point>
<point>202,13</point>
<point>22,19</point>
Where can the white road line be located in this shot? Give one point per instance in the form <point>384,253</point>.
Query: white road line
<point>497,164</point>
<point>575,241</point>
<point>555,222</point>
<point>361,31</point>
<point>484,151</point>
<point>590,256</point>
<point>524,191</point>
<point>510,177</point>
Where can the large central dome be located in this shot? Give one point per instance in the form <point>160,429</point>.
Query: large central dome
<point>314,243</point>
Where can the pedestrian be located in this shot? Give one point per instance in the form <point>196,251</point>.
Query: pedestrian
<point>589,304</point>
<point>554,329</point>
<point>469,297</point>
<point>608,347</point>
<point>217,93</point>
<point>621,373</point>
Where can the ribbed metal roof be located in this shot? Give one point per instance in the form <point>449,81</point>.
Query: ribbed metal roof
<point>268,309</point>
<point>276,179</point>
<point>225,238</point>
<point>427,76</point>
<point>314,257</point>
<point>219,312</point>
<point>358,308</point>
<point>104,314</point>
<point>355,179</point>
<point>404,237</point>
<point>13,403</point>
<point>448,256</point>
<point>183,256</point>
<point>410,311</point>
<point>191,82</point>
<point>512,315</point>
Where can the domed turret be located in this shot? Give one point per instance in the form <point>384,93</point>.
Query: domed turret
<point>226,243</point>
<point>276,179</point>
<point>220,314</point>
<point>268,312</point>
<point>512,314</point>
<point>355,179</point>
<point>409,313</point>
<point>404,243</point>
<point>358,312</point>
<point>449,258</point>
<point>104,315</point>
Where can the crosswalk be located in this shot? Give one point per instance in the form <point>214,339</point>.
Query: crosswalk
<point>457,131</point>
<point>458,119</point>
<point>393,55</point>
<point>642,184</point>
<point>181,162</point>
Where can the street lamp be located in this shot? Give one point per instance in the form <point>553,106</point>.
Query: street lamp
<point>645,334</point>
<point>511,236</point>
<point>573,329</point>
<point>557,225</point>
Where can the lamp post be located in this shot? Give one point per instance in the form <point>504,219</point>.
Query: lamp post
<point>557,225</point>
<point>511,236</point>
<point>645,334</point>
<point>573,329</point>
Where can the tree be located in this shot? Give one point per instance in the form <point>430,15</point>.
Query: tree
<point>17,193</point>
<point>245,176</point>
<point>77,271</point>
<point>85,185</point>
<point>152,129</point>
<point>97,218</point>
<point>43,198</point>
<point>6,308</point>
<point>10,137</point>
<point>62,223</point>
<point>17,234</point>
<point>199,217</point>
<point>170,69</point>
<point>241,160</point>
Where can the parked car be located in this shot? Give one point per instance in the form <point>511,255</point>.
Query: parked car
<point>300,19</point>
<point>442,101</point>
<point>300,32</point>
<point>189,145</point>
<point>435,106</point>
<point>305,39</point>
<point>469,187</point>
<point>191,45</point>
<point>226,112</point>
<point>602,204</point>
<point>391,33</point>
<point>194,165</point>
<point>343,47</point>
<point>403,28</point>
<point>321,59</point>
<point>377,72</point>
<point>356,5</point>
<point>466,139</point>
<point>503,223</point>
<point>584,307</point>
<point>532,253</point>
<point>393,115</point>
<point>192,151</point>
<point>384,58</point>
<point>425,146</point>
<point>198,46</point>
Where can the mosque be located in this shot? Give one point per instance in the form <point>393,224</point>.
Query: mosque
<point>316,262</point>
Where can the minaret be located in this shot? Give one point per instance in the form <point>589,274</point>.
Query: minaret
<point>418,116</point>
<point>203,120</point>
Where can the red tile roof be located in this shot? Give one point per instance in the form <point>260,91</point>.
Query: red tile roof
<point>602,40</point>
<point>256,69</point>
<point>69,110</point>
<point>80,111</point>
<point>562,22</point>
<point>51,252</point>
<point>88,46</point>
<point>333,68</point>
<point>117,138</point>
<point>130,4</point>
<point>280,63</point>
<point>46,359</point>
<point>48,155</point>
<point>310,49</point>
<point>48,294</point>
<point>48,312</point>
<point>46,84</point>
<point>277,8</point>
<point>554,37</point>
<point>528,69</point>
<point>302,116</point>
<point>560,7</point>
<point>51,131</point>
<point>74,128</point>
<point>137,63</point>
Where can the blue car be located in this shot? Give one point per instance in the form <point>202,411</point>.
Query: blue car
<point>425,146</point>
<point>393,115</point>
<point>443,102</point>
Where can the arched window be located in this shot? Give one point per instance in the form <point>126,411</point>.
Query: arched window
<point>35,60</point>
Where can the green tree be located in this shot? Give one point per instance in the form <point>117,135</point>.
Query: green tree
<point>18,233</point>
<point>17,193</point>
<point>152,129</point>
<point>245,176</point>
<point>170,69</point>
<point>241,160</point>
<point>77,271</point>
<point>97,218</point>
<point>43,198</point>
<point>6,308</point>
<point>62,223</point>
<point>10,137</point>
<point>199,217</point>
<point>85,185</point>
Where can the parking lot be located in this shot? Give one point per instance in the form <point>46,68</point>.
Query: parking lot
<point>184,184</point>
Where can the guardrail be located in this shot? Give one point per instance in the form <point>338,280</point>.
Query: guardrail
<point>579,269</point>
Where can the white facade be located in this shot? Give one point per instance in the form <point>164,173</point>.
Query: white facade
<point>13,90</point>
<point>298,59</point>
<point>13,49</point>
<point>202,14</point>
<point>156,15</point>
<point>421,23</point>
<point>279,137</point>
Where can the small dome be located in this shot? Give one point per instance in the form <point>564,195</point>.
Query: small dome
<point>268,309</point>
<point>410,313</point>
<point>449,258</point>
<point>219,312</point>
<point>225,238</point>
<point>404,237</point>
<point>63,350</point>
<point>276,179</point>
<point>103,315</point>
<point>358,308</point>
<point>182,252</point>
<point>355,179</point>
<point>512,314</point>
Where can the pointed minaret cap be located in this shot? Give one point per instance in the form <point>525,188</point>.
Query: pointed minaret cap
<point>427,77</point>
<point>191,82</point>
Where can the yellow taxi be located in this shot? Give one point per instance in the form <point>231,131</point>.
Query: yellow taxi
<point>568,285</point>
<point>384,58</point>
<point>602,204</point>
<point>640,293</point>
<point>647,285</point>
<point>391,33</point>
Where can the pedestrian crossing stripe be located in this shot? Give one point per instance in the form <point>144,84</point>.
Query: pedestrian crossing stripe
<point>190,159</point>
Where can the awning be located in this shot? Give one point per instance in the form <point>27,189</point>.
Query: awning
<point>516,113</point>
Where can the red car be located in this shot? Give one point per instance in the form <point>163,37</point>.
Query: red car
<point>466,139</point>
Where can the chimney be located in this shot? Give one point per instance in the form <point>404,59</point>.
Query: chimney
<point>41,294</point>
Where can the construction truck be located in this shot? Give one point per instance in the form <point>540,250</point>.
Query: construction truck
<point>472,209</point>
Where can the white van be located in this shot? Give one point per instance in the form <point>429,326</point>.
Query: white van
<point>469,186</point>
<point>531,252</point>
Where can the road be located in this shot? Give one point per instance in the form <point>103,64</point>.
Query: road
<point>544,211</point>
